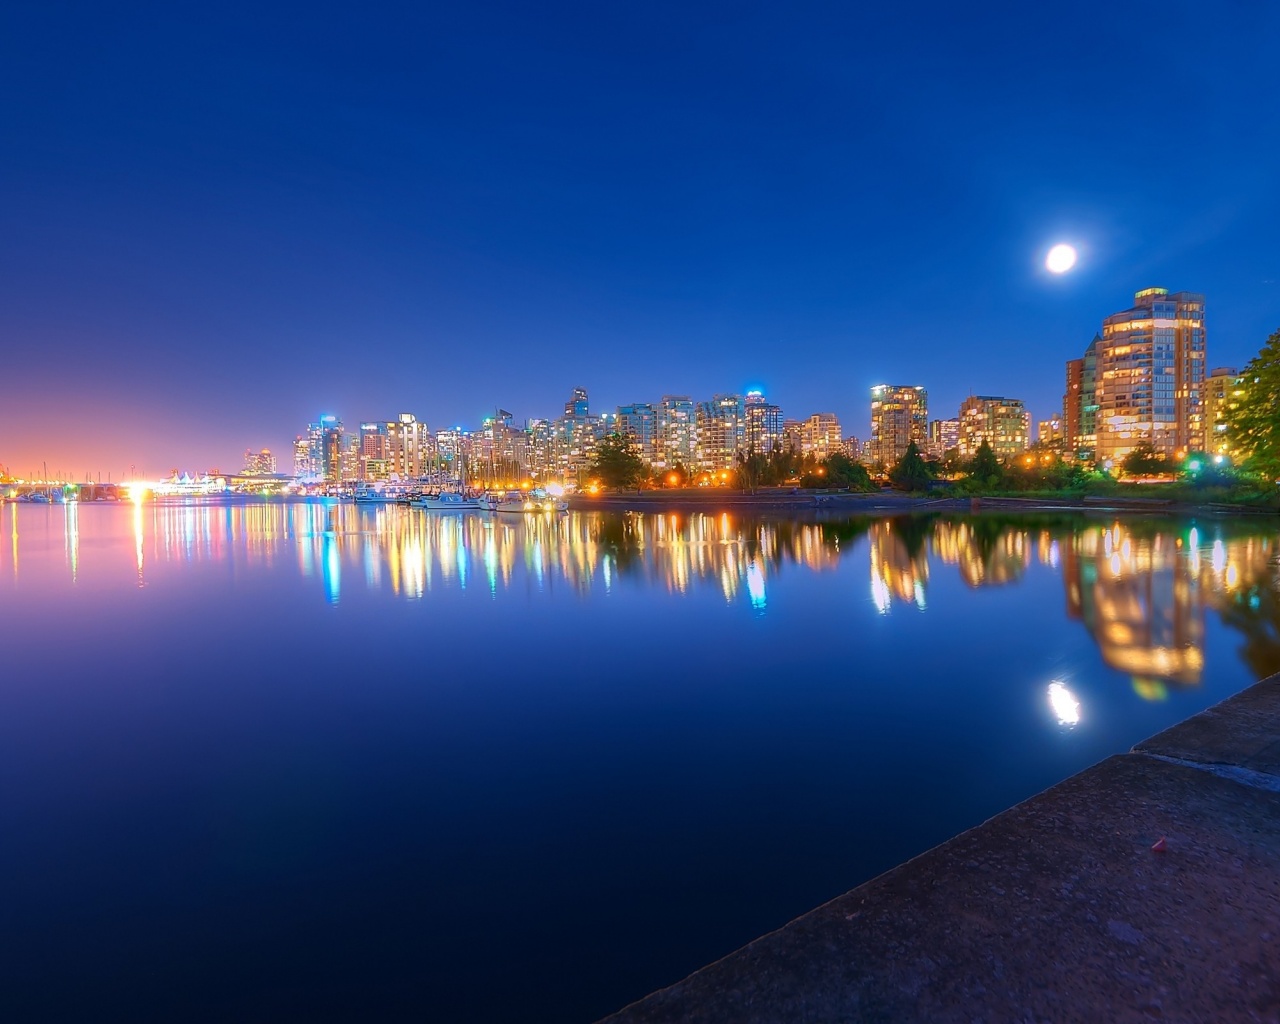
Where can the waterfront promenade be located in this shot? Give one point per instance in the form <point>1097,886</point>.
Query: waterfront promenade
<point>1144,888</point>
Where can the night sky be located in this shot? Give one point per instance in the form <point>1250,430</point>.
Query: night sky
<point>220,222</point>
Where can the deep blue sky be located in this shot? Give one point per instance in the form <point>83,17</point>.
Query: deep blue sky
<point>218,223</point>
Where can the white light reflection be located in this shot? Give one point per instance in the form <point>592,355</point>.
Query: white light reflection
<point>755,584</point>
<point>880,594</point>
<point>1064,704</point>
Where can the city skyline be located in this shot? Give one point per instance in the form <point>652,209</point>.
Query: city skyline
<point>219,225</point>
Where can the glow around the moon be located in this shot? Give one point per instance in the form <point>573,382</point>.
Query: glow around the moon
<point>1061,258</point>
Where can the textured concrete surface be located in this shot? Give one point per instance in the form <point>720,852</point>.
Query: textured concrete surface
<point>1240,735</point>
<point>1056,910</point>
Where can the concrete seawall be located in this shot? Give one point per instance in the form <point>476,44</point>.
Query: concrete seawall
<point>1059,909</point>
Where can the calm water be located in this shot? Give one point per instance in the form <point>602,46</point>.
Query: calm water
<point>317,762</point>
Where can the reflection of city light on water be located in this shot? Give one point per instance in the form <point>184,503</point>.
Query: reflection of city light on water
<point>880,594</point>
<point>1064,704</point>
<point>755,584</point>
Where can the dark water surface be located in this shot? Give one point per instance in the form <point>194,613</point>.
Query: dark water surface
<point>270,761</point>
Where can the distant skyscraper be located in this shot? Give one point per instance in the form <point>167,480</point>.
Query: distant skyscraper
<point>260,463</point>
<point>943,436</point>
<point>303,467</point>
<point>374,464</point>
<point>577,407</point>
<point>899,415</point>
<point>1003,423</point>
<point>1150,375</point>
<point>322,460</point>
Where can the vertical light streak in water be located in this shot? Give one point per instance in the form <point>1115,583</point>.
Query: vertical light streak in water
<point>72,527</point>
<point>755,584</point>
<point>491,562</point>
<point>460,547</point>
<point>879,589</point>
<point>13,511</point>
<point>607,572</point>
<point>372,563</point>
<point>332,566</point>
<point>138,537</point>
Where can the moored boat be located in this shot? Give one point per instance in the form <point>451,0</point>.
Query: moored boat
<point>447,501</point>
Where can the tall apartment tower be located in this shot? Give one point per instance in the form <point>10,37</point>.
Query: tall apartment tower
<point>899,415</point>
<point>1222,391</point>
<point>721,426</point>
<point>1080,404</point>
<point>1150,375</point>
<point>764,423</point>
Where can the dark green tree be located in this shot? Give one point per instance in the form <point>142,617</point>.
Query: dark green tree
<point>839,471</point>
<point>1253,425</point>
<point>1144,460</point>
<point>617,463</point>
<point>984,469</point>
<point>911,473</point>
<point>752,470</point>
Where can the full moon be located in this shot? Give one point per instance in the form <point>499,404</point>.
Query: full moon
<point>1061,258</point>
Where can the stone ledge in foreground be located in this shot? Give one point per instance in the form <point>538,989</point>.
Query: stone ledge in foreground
<point>1056,910</point>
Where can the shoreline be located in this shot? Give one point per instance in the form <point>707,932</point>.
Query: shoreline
<point>892,502</point>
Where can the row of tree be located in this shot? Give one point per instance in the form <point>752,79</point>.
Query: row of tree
<point>618,465</point>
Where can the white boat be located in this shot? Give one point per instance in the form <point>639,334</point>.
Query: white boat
<point>530,504</point>
<point>369,496</point>
<point>447,501</point>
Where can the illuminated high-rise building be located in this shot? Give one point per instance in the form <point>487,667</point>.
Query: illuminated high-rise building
<point>820,435</point>
<point>793,435</point>
<point>1223,389</point>
<point>577,407</point>
<point>1080,404</point>
<point>1150,375</point>
<point>763,423</point>
<point>944,435</point>
<point>1003,423</point>
<point>260,463</point>
<point>323,460</point>
<point>574,437</point>
<point>1052,434</point>
<point>303,467</point>
<point>721,431</point>
<point>374,464</point>
<point>639,421</point>
<point>899,416</point>
<point>675,432</point>
<point>409,448</point>
<point>452,450</point>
